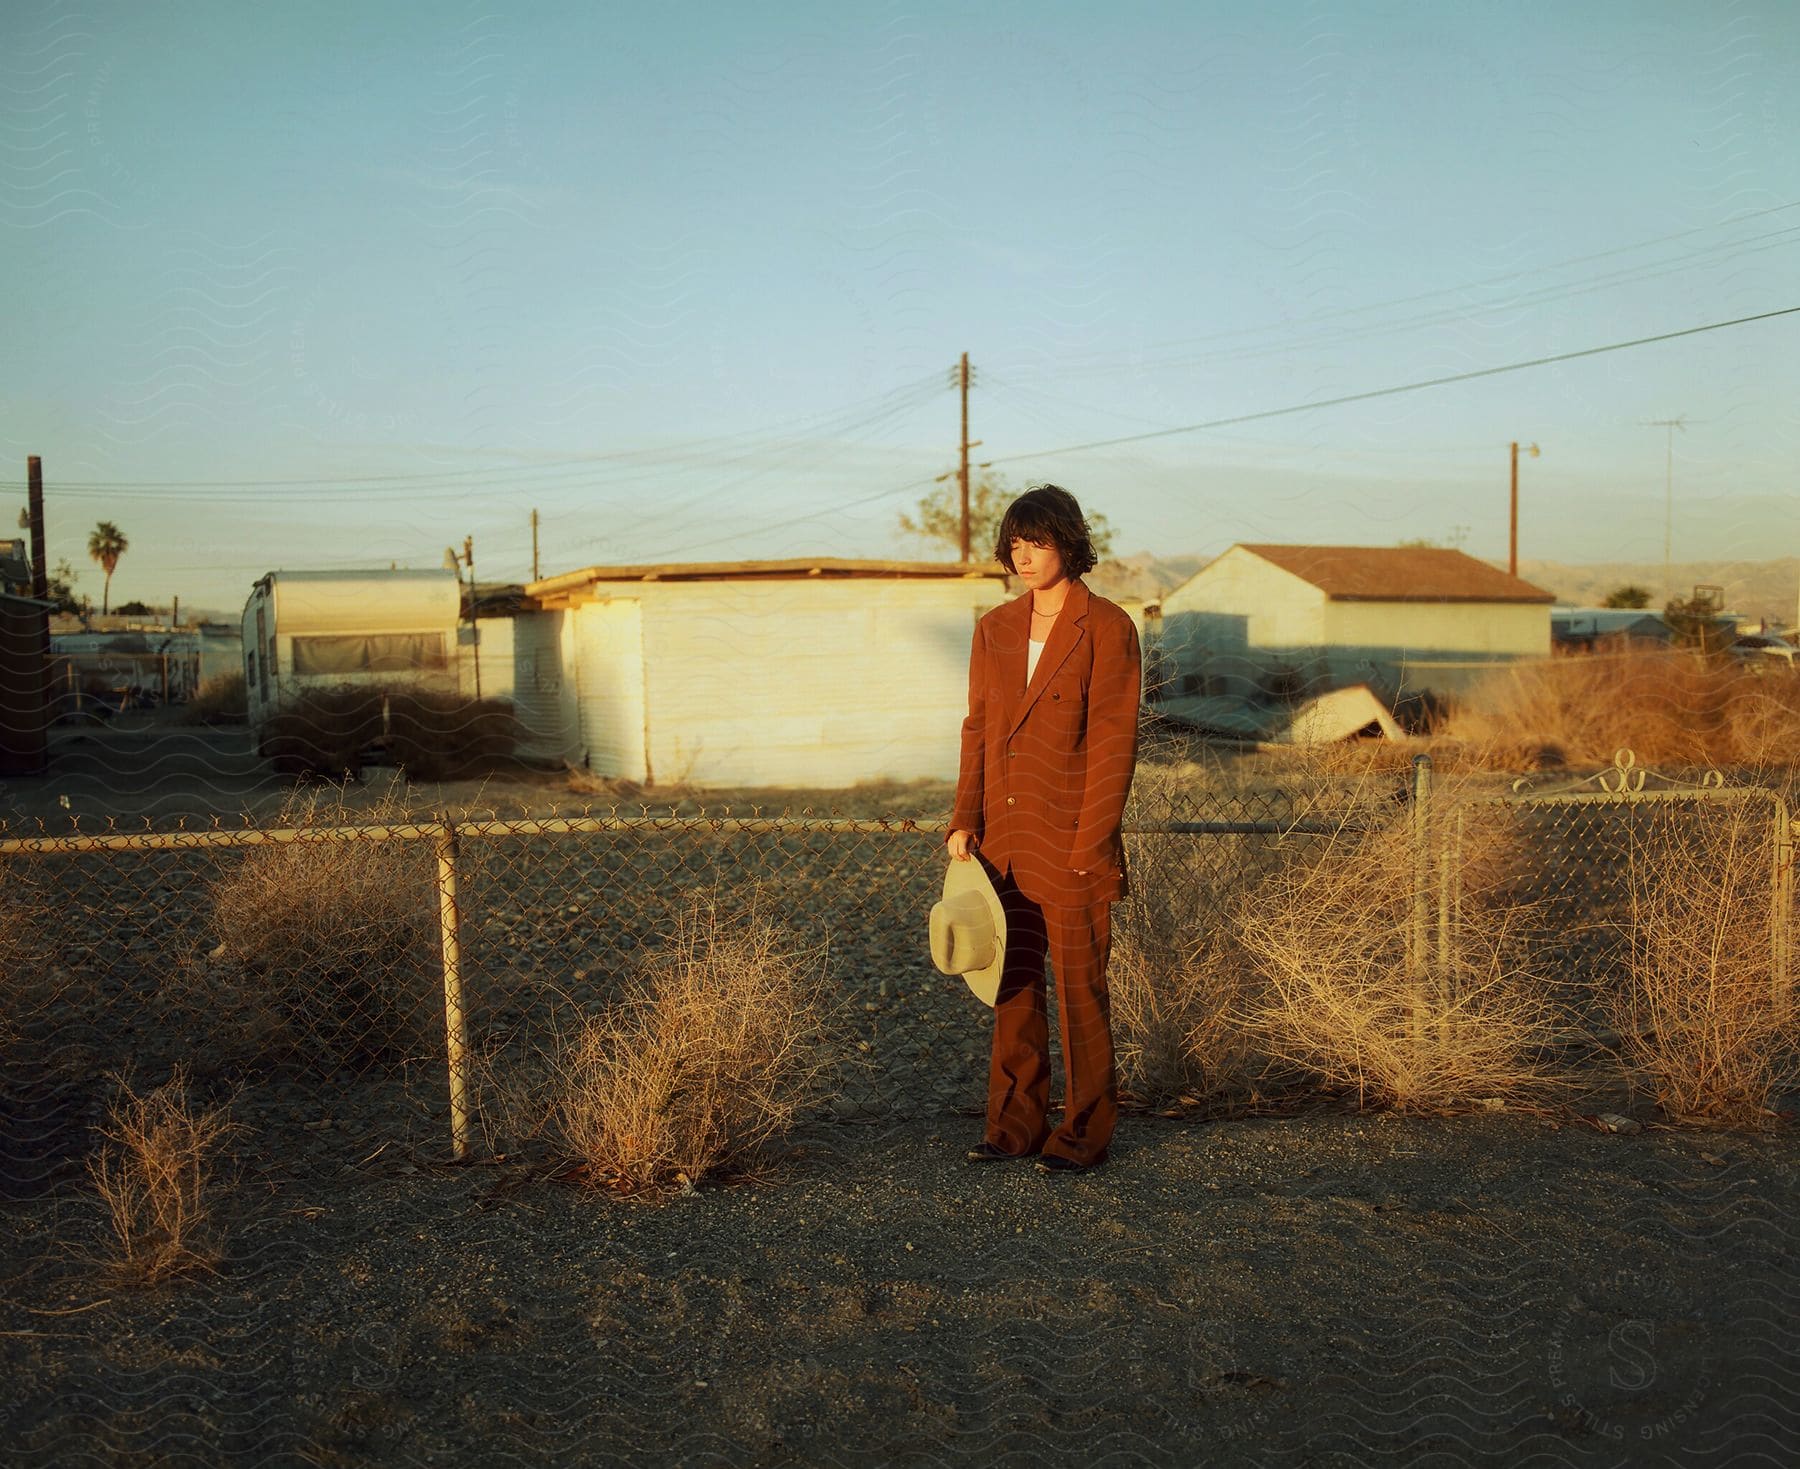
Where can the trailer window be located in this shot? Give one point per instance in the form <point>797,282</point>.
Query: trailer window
<point>369,653</point>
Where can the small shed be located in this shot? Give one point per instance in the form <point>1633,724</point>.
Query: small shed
<point>1284,622</point>
<point>804,672</point>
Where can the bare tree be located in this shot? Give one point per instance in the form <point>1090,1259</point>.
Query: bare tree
<point>939,518</point>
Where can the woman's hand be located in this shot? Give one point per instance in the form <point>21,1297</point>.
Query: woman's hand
<point>961,840</point>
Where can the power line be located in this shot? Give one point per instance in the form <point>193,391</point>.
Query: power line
<point>1436,382</point>
<point>887,494</point>
<point>1100,361</point>
<point>683,449</point>
<point>873,425</point>
<point>1350,335</point>
<point>224,493</point>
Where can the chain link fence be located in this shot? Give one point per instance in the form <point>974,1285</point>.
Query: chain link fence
<point>1597,851</point>
<point>358,982</point>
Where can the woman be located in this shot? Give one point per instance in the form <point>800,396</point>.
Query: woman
<point>1048,751</point>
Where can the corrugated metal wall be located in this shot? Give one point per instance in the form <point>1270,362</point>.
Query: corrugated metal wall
<point>538,686</point>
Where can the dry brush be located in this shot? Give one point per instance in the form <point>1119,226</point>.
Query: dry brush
<point>1705,1022</point>
<point>153,1173</point>
<point>716,1047</point>
<point>1373,980</point>
<point>327,948</point>
<point>1672,708</point>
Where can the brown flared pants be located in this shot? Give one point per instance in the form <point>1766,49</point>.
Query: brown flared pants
<point>1078,941</point>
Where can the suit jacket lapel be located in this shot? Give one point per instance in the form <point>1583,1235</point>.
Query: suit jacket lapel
<point>1065,633</point>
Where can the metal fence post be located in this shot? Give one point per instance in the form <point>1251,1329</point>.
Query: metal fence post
<point>1781,919</point>
<point>456,1022</point>
<point>1418,929</point>
<point>1449,916</point>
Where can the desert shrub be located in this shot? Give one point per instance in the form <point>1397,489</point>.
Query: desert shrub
<point>324,730</point>
<point>1352,759</point>
<point>1764,712</point>
<point>436,736</point>
<point>1698,1021</point>
<point>1343,1001</point>
<point>1176,972</point>
<point>583,782</point>
<point>153,1171</point>
<point>1672,708</point>
<point>220,699</point>
<point>720,1042</point>
<point>431,734</point>
<point>1181,979</point>
<point>333,943</point>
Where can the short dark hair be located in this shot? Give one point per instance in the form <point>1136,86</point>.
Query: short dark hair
<point>1047,515</point>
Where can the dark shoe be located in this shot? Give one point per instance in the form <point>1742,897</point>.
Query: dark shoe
<point>986,1152</point>
<point>1056,1163</point>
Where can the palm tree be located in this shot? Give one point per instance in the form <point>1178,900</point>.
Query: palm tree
<point>106,545</point>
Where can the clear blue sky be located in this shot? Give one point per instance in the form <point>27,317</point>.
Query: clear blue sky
<point>689,279</point>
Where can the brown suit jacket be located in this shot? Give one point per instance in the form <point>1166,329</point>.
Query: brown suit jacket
<point>1046,769</point>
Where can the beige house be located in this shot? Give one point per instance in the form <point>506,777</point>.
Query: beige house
<point>814,672</point>
<point>1270,623</point>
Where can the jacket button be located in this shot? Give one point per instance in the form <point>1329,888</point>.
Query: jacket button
<point>1011,753</point>
<point>1009,800</point>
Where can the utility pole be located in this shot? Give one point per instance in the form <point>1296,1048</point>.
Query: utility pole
<point>35,670</point>
<point>960,377</point>
<point>1670,425</point>
<point>962,474</point>
<point>534,548</point>
<point>34,512</point>
<point>474,626</point>
<point>1512,555</point>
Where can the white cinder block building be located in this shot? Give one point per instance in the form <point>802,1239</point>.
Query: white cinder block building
<point>813,672</point>
<point>1280,622</point>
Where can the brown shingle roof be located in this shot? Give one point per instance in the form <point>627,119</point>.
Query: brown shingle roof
<point>1399,574</point>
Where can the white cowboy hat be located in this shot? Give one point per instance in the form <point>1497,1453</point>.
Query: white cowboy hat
<point>968,928</point>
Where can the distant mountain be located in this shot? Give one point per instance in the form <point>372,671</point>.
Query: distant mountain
<point>1752,588</point>
<point>1144,577</point>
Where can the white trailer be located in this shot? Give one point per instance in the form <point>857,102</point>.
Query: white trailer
<point>308,630</point>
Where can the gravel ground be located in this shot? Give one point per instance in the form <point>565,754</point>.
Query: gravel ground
<point>1329,1288</point>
